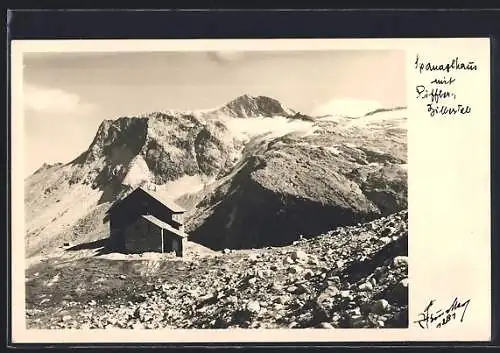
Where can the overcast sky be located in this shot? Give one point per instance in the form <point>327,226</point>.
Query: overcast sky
<point>67,95</point>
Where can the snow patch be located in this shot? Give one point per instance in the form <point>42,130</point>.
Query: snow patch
<point>350,145</point>
<point>138,172</point>
<point>183,185</point>
<point>333,150</point>
<point>274,127</point>
<point>378,118</point>
<point>331,117</point>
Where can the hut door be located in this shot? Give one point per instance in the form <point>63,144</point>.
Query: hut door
<point>165,243</point>
<point>175,246</point>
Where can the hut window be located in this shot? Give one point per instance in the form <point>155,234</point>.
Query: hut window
<point>177,217</point>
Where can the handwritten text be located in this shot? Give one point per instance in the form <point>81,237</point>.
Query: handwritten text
<point>432,317</point>
<point>438,93</point>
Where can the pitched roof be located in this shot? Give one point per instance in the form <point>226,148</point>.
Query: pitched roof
<point>165,201</point>
<point>171,205</point>
<point>164,225</point>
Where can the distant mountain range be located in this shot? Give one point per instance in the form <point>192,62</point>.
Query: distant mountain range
<point>252,173</point>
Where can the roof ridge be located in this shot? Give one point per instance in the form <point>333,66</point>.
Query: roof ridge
<point>164,200</point>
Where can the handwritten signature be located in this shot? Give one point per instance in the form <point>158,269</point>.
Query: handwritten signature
<point>431,317</point>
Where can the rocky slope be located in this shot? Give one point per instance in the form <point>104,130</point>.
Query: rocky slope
<point>252,173</point>
<point>335,173</point>
<point>354,276</point>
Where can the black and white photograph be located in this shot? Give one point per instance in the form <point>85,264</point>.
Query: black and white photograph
<point>216,189</point>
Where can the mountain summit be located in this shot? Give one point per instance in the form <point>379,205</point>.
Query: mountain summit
<point>247,106</point>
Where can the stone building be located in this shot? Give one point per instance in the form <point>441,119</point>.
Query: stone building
<point>144,221</point>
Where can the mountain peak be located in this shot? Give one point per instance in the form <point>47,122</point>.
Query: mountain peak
<point>244,97</point>
<point>246,106</point>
